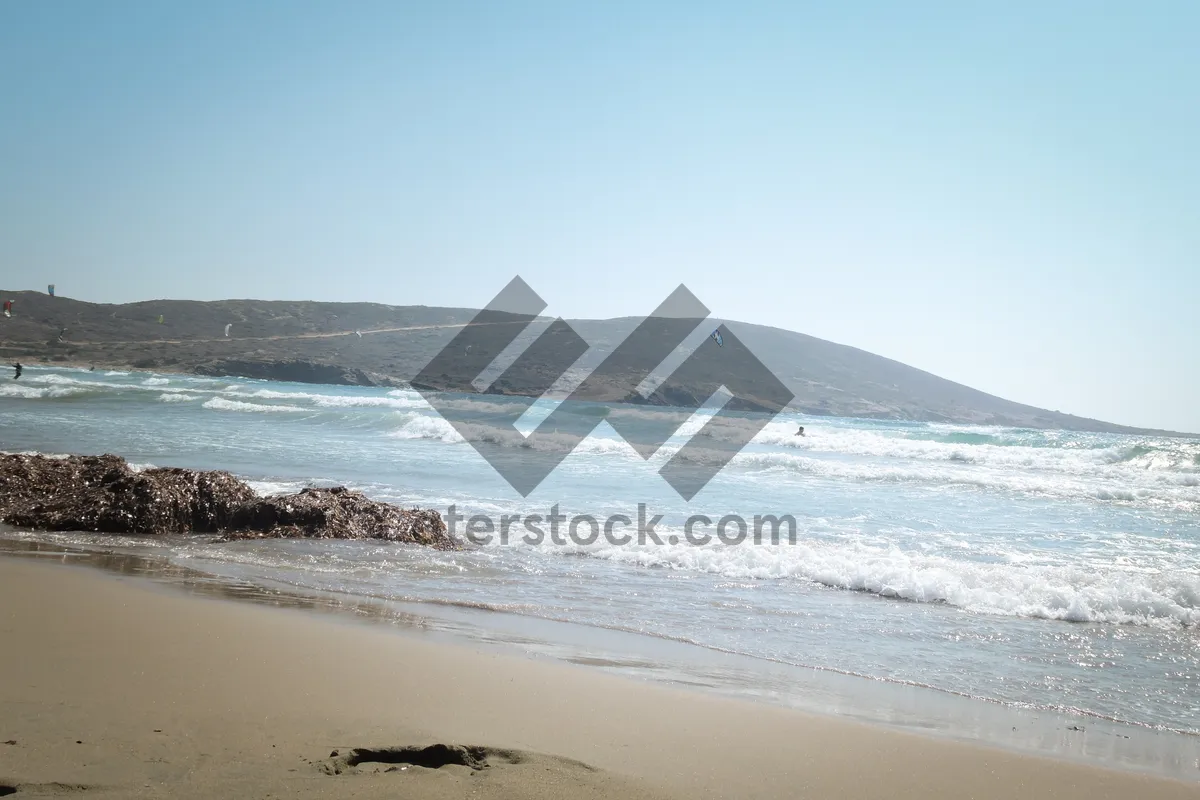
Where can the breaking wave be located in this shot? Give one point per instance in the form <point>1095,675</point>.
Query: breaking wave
<point>1037,450</point>
<point>1099,485</point>
<point>221,404</point>
<point>1076,593</point>
<point>26,392</point>
<point>424,426</point>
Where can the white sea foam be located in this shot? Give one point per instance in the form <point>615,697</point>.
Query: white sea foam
<point>36,392</point>
<point>53,378</point>
<point>65,381</point>
<point>1076,593</point>
<point>175,397</point>
<point>266,394</point>
<point>271,488</point>
<point>423,426</point>
<point>24,392</point>
<point>1149,454</point>
<point>156,381</point>
<point>484,407</point>
<point>426,426</point>
<point>330,401</point>
<point>1099,486</point>
<point>221,404</point>
<point>353,401</point>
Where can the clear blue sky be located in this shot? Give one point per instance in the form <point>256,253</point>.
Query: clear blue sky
<point>1005,194</point>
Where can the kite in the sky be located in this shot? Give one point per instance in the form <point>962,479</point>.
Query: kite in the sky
<point>716,336</point>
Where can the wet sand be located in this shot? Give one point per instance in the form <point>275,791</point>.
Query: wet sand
<point>111,688</point>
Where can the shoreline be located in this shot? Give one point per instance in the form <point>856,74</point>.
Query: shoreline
<point>423,627</point>
<point>595,614</point>
<point>133,692</point>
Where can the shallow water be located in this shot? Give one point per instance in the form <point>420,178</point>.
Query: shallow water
<point>1040,570</point>
<point>911,708</point>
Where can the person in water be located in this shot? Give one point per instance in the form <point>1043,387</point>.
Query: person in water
<point>17,367</point>
<point>801,431</point>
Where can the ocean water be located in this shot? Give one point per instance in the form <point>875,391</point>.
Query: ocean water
<point>1039,571</point>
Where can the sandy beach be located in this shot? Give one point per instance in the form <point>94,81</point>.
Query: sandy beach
<point>114,687</point>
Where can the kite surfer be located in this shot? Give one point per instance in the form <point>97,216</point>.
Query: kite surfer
<point>17,367</point>
<point>801,431</point>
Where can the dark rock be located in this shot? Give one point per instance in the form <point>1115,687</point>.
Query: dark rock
<point>103,494</point>
<point>335,514</point>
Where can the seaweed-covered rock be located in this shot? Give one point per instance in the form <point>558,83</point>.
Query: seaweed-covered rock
<point>103,494</point>
<point>335,514</point>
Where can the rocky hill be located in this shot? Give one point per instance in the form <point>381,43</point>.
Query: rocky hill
<point>375,344</point>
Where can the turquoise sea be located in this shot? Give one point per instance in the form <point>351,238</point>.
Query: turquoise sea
<point>945,577</point>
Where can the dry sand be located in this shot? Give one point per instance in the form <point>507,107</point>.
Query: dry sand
<point>110,687</point>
